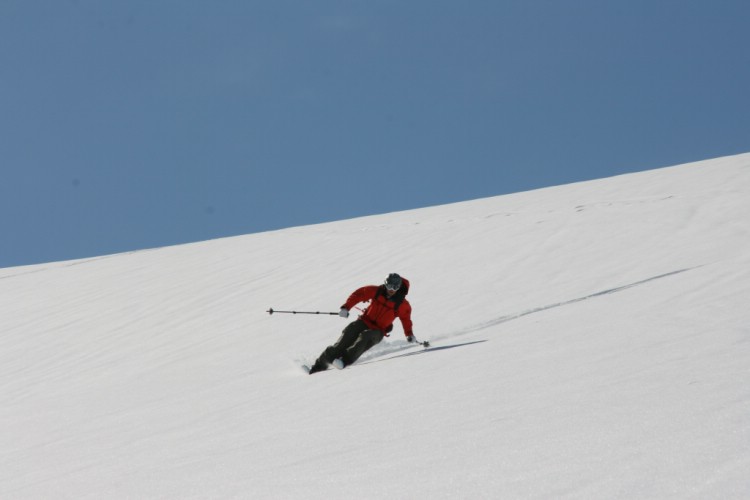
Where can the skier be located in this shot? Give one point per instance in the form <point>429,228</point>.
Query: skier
<point>388,303</point>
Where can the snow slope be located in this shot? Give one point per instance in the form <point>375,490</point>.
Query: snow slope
<point>589,341</point>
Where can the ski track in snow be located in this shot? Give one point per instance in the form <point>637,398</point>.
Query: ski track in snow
<point>504,319</point>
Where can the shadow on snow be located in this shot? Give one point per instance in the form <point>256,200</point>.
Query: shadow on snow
<point>423,351</point>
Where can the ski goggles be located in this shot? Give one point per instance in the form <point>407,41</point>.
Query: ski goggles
<point>391,287</point>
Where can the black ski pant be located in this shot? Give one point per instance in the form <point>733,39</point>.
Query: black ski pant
<point>355,339</point>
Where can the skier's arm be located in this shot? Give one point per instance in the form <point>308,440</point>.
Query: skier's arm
<point>360,295</point>
<point>404,314</point>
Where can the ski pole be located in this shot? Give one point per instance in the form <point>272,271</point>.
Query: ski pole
<point>424,344</point>
<point>271,311</point>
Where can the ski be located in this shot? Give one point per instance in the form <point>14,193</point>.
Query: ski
<point>381,356</point>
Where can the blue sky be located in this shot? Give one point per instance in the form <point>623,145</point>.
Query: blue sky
<point>138,124</point>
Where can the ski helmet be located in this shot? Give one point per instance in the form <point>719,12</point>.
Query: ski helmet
<point>393,282</point>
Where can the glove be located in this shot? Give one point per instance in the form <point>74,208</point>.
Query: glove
<point>344,312</point>
<point>410,338</point>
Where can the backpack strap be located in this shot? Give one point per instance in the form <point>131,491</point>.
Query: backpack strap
<point>397,298</point>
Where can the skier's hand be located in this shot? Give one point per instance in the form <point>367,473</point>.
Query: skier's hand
<point>410,338</point>
<point>344,312</point>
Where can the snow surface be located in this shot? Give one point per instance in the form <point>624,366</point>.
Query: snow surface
<point>589,341</point>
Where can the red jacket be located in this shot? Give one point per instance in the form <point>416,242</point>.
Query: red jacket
<point>381,312</point>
